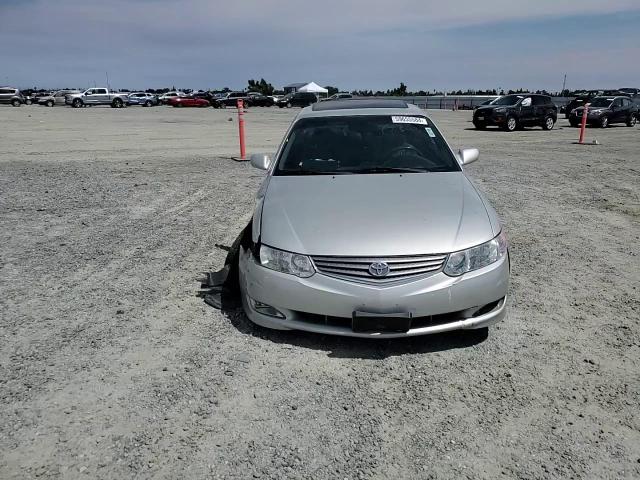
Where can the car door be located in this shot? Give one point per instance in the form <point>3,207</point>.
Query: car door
<point>526,111</point>
<point>618,111</point>
<point>101,95</point>
<point>59,98</point>
<point>627,108</point>
<point>5,95</point>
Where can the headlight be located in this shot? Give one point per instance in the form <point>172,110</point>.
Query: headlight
<point>474,258</point>
<point>286,262</point>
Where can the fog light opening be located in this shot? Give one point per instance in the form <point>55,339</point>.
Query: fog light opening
<point>265,309</point>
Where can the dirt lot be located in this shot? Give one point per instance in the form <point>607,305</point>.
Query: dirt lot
<point>111,367</point>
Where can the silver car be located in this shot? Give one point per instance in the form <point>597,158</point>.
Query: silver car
<point>367,226</point>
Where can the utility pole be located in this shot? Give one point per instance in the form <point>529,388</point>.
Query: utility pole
<point>564,84</point>
<point>107,75</point>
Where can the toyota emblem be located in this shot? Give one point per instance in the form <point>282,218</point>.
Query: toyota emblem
<point>379,269</point>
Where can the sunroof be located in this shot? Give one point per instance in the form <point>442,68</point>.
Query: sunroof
<point>352,104</point>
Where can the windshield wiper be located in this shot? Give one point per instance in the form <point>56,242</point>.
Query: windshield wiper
<point>391,170</point>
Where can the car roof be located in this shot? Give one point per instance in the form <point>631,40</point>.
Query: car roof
<point>351,107</point>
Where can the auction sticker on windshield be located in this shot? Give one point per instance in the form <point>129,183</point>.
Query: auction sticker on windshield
<point>404,119</point>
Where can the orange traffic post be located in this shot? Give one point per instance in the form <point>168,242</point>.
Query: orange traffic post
<point>241,128</point>
<point>583,126</point>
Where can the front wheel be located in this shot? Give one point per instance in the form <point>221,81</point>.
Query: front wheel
<point>28,101</point>
<point>549,123</point>
<point>604,122</point>
<point>16,103</point>
<point>50,103</point>
<point>511,125</point>
<point>631,121</point>
<point>117,103</point>
<point>147,103</point>
<point>77,103</point>
<point>289,105</point>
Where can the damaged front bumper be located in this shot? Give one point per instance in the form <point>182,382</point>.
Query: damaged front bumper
<point>324,304</point>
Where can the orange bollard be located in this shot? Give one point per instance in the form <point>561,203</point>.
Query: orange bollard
<point>241,128</point>
<point>583,126</point>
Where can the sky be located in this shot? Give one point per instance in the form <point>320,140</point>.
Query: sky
<point>354,44</point>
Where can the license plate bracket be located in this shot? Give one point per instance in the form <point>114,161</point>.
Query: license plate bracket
<point>367,322</point>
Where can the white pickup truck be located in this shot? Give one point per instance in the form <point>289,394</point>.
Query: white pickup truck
<point>97,96</point>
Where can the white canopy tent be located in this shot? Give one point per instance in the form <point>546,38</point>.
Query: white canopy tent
<point>313,87</point>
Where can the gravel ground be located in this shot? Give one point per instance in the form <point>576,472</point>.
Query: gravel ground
<point>111,367</point>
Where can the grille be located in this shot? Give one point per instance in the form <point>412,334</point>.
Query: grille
<point>400,268</point>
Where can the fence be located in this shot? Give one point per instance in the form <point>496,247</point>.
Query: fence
<point>464,102</point>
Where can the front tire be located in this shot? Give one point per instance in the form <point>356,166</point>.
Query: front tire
<point>511,125</point>
<point>77,103</point>
<point>117,103</point>
<point>631,121</point>
<point>16,103</point>
<point>28,101</point>
<point>289,105</point>
<point>549,123</point>
<point>604,122</point>
<point>147,103</point>
<point>50,103</point>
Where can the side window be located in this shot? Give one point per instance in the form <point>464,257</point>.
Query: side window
<point>626,102</point>
<point>101,91</point>
<point>4,91</point>
<point>526,102</point>
<point>618,102</point>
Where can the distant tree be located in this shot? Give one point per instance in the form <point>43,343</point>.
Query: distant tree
<point>332,90</point>
<point>260,86</point>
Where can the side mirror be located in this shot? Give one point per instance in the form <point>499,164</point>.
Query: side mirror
<point>260,161</point>
<point>468,155</point>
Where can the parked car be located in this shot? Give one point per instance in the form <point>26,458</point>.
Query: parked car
<point>297,99</point>
<point>259,100</point>
<point>603,111</point>
<point>189,101</point>
<point>165,97</point>
<point>367,226</point>
<point>212,99</point>
<point>143,98</point>
<point>631,92</point>
<point>585,97</point>
<point>231,99</point>
<point>56,98</point>
<point>97,96</point>
<point>338,96</point>
<point>11,96</point>
<point>517,111</point>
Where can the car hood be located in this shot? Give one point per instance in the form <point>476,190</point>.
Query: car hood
<point>375,215</point>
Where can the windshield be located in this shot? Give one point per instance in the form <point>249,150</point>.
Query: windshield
<point>601,102</point>
<point>508,100</point>
<point>365,144</point>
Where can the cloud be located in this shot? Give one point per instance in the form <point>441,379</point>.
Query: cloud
<point>360,43</point>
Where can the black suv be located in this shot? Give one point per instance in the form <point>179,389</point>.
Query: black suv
<point>297,99</point>
<point>586,97</point>
<point>603,111</point>
<point>517,111</point>
<point>9,95</point>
